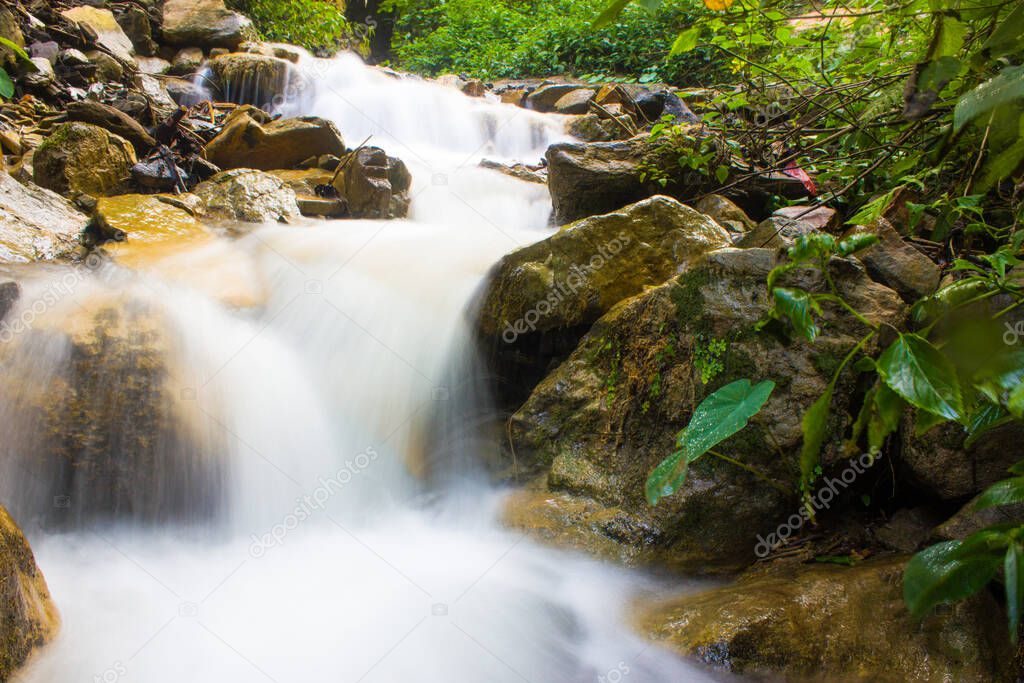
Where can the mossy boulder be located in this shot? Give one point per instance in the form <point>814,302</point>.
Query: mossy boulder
<point>81,158</point>
<point>206,23</point>
<point>281,144</point>
<point>541,299</point>
<point>603,419</point>
<point>28,617</point>
<point>36,224</point>
<point>248,196</point>
<point>827,622</point>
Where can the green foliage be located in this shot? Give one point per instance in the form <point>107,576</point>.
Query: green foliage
<point>317,25</point>
<point>6,84</point>
<point>707,358</point>
<point>951,571</point>
<point>516,39</point>
<point>718,417</point>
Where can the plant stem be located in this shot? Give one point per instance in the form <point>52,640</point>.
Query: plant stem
<point>760,475</point>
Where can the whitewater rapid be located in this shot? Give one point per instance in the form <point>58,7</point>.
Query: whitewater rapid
<point>348,545</point>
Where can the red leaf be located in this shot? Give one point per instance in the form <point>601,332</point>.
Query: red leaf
<point>794,171</point>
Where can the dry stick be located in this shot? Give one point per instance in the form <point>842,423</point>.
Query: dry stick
<point>981,153</point>
<point>349,158</point>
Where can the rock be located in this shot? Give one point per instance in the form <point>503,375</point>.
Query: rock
<point>775,232</point>
<point>184,93</point>
<point>42,77</point>
<point>821,218</point>
<point>896,264</point>
<point>969,520</point>
<point>248,78</point>
<point>594,178</point>
<point>833,623</point>
<point>246,143</point>
<point>474,88</point>
<point>587,267</point>
<point>375,185</point>
<point>10,29</point>
<point>517,170</point>
<point>113,120</point>
<point>134,21</point>
<point>513,96</point>
<point>247,195</point>
<point>206,23</point>
<point>575,101</point>
<point>604,418</point>
<point>938,463</point>
<point>83,158</point>
<point>450,81</point>
<point>109,34</point>
<point>304,182</point>
<point>155,66</point>
<point>725,213</point>
<point>28,617</point>
<point>594,128</point>
<point>10,292</point>
<point>156,97</point>
<point>108,69</point>
<point>47,50</point>
<point>144,218</point>
<point>187,61</point>
<point>645,104</point>
<point>907,530</point>
<point>321,207</point>
<point>159,175</point>
<point>36,224</point>
<point>545,97</point>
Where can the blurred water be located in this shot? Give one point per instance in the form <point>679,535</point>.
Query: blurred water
<point>334,547</point>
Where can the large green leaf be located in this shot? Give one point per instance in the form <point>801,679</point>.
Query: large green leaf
<point>6,85</point>
<point>925,378</point>
<point>718,417</point>
<point>798,307</point>
<point>813,426</point>
<point>667,477</point>
<point>1005,492</point>
<point>1013,578</point>
<point>1004,88</point>
<point>610,13</point>
<point>934,576</point>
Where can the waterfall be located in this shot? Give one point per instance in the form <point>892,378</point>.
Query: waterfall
<point>295,492</point>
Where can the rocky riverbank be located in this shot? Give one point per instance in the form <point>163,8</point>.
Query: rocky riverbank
<point>138,125</point>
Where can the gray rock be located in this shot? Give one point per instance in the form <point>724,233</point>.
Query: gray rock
<point>36,224</point>
<point>249,196</point>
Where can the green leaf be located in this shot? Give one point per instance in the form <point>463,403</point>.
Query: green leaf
<point>933,576</point>
<point>813,427</point>
<point>855,243</point>
<point>798,306</point>
<point>685,41</point>
<point>812,246</point>
<point>6,85</point>
<point>1005,492</point>
<point>1008,34</point>
<point>884,418</point>
<point>722,414</point>
<point>987,416</point>
<point>1004,88</point>
<point>722,173</point>
<point>17,49</point>
<point>1017,468</point>
<point>925,378</point>
<point>1015,402</point>
<point>667,478</point>
<point>1013,577</point>
<point>610,13</point>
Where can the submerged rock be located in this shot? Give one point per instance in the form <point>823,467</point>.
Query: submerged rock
<point>206,23</point>
<point>36,224</point>
<point>375,185</point>
<point>603,419</point>
<point>83,158</point>
<point>28,617</point>
<point>839,623</point>
<point>247,195</point>
<point>281,144</point>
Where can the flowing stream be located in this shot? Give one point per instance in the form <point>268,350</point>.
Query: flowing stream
<point>318,514</point>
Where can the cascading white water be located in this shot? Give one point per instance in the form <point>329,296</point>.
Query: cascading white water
<point>327,558</point>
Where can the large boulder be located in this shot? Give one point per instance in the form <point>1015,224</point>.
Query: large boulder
<point>586,179</point>
<point>110,35</point>
<point>603,419</point>
<point>28,617</point>
<point>206,23</point>
<point>80,158</point>
<point>36,224</point>
<point>248,196</point>
<point>375,185</point>
<point>251,78</point>
<point>826,622</point>
<point>247,143</point>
